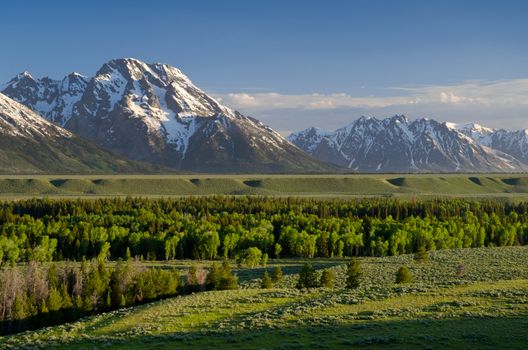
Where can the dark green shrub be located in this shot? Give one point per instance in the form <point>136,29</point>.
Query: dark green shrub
<point>421,255</point>
<point>353,274</point>
<point>403,275</point>
<point>327,279</point>
<point>266,281</point>
<point>307,277</point>
<point>276,275</point>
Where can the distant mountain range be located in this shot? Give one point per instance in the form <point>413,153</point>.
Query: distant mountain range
<point>30,144</point>
<point>399,145</point>
<point>154,113</point>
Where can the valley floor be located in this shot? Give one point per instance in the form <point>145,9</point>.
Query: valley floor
<point>467,298</point>
<point>506,186</point>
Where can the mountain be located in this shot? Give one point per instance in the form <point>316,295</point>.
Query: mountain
<point>513,142</point>
<point>154,113</point>
<point>53,99</point>
<point>399,145</point>
<point>30,144</point>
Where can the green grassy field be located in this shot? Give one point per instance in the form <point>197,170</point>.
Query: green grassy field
<point>483,305</point>
<point>466,185</point>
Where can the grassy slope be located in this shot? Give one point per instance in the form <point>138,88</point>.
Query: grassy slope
<point>474,185</point>
<point>486,308</point>
<point>63,155</point>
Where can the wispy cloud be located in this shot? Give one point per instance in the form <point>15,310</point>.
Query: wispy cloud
<point>495,103</point>
<point>506,92</point>
<point>273,100</point>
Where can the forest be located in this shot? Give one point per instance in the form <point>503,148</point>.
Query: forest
<point>239,228</point>
<point>55,254</point>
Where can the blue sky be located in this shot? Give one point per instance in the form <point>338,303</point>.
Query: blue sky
<point>296,63</point>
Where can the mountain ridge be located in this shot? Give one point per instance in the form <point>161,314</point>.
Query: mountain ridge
<point>154,113</point>
<point>31,144</point>
<point>397,144</point>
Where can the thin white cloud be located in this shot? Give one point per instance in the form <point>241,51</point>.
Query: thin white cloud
<point>484,93</point>
<point>504,92</point>
<point>315,101</point>
<point>497,104</point>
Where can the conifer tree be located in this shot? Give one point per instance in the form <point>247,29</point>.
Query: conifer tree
<point>54,300</point>
<point>127,254</point>
<point>213,277</point>
<point>353,274</point>
<point>266,281</point>
<point>192,279</point>
<point>421,255</point>
<point>403,275</point>
<point>66,299</point>
<point>264,261</point>
<point>19,308</point>
<point>307,277</point>
<point>276,275</point>
<point>227,279</point>
<point>327,278</point>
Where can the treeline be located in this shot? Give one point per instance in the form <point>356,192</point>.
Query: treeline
<point>36,295</point>
<point>238,227</point>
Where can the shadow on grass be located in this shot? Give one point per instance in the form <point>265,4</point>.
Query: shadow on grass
<point>464,333</point>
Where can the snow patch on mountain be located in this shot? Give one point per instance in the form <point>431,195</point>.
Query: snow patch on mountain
<point>153,112</point>
<point>18,120</point>
<point>398,145</point>
<point>53,99</point>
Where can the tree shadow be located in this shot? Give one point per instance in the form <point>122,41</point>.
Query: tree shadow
<point>460,333</point>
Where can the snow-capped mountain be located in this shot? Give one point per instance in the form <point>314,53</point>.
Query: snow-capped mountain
<point>18,120</point>
<point>477,132</point>
<point>32,144</point>
<point>53,99</point>
<point>513,142</point>
<point>399,145</point>
<point>153,112</point>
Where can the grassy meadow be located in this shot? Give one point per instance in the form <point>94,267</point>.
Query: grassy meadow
<point>458,298</point>
<point>463,298</point>
<point>390,185</point>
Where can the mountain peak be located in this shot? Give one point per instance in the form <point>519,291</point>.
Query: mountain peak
<point>475,127</point>
<point>24,75</point>
<point>74,80</point>
<point>75,75</point>
<point>452,126</point>
<point>153,112</point>
<point>364,118</point>
<point>396,145</point>
<point>400,119</point>
<point>136,69</point>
